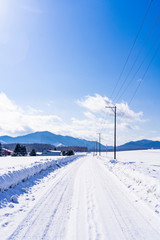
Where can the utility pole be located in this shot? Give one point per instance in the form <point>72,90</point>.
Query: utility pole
<point>99,143</point>
<point>115,112</point>
<point>95,147</point>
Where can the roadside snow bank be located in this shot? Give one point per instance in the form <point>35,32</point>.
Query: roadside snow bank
<point>12,178</point>
<point>146,187</point>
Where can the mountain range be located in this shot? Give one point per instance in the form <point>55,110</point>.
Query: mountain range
<point>59,140</point>
<point>49,138</point>
<point>140,145</point>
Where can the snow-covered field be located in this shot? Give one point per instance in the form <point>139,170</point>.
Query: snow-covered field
<point>140,172</point>
<point>81,197</point>
<point>14,170</point>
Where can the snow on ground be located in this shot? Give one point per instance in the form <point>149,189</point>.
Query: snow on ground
<point>14,170</point>
<point>17,202</point>
<point>22,168</point>
<point>140,172</point>
<point>91,198</point>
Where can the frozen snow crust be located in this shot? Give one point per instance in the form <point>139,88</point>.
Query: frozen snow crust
<point>13,177</point>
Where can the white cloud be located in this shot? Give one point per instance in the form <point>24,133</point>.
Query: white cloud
<point>95,103</point>
<point>6,104</point>
<point>155,138</point>
<point>125,113</point>
<point>32,110</point>
<point>89,115</point>
<point>17,121</point>
<point>99,117</point>
<point>98,104</point>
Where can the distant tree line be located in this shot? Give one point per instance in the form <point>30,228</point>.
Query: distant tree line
<point>39,147</point>
<point>74,148</point>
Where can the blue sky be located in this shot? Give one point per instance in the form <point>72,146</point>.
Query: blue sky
<point>60,61</point>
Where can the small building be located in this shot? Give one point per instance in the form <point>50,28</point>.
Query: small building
<point>38,153</point>
<point>6,152</point>
<point>74,148</point>
<point>51,153</point>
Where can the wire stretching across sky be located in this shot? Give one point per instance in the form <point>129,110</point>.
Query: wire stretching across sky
<point>129,83</point>
<point>155,53</point>
<point>135,40</point>
<point>138,55</point>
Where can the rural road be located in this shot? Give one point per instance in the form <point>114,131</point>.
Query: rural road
<point>86,201</point>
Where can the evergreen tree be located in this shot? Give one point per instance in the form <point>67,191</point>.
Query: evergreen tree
<point>23,151</point>
<point>20,150</point>
<point>33,152</point>
<point>17,150</point>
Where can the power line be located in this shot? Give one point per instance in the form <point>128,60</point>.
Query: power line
<point>139,53</point>
<point>129,54</point>
<point>136,90</point>
<point>144,74</point>
<point>139,67</point>
<point>103,122</point>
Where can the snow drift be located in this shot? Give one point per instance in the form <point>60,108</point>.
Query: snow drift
<point>11,179</point>
<point>140,178</point>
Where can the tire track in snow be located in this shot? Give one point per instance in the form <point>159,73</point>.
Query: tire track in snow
<point>84,218</point>
<point>116,216</point>
<point>94,232</point>
<point>87,202</point>
<point>39,220</point>
<point>132,222</point>
<point>102,208</point>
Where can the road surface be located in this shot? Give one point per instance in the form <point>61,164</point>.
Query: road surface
<point>87,202</point>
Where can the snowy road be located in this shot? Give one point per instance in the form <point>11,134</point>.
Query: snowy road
<point>86,201</point>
